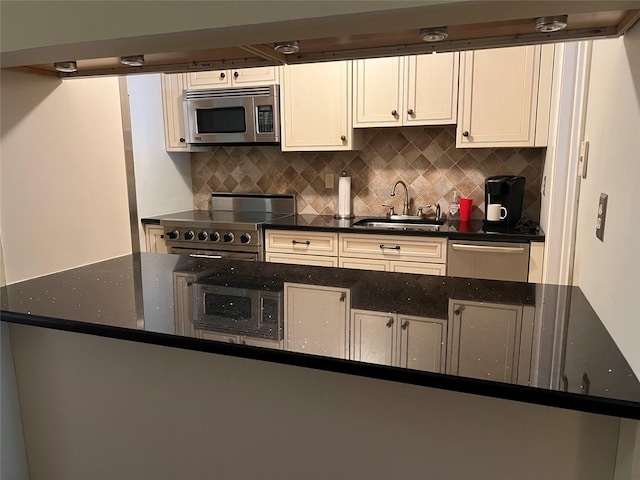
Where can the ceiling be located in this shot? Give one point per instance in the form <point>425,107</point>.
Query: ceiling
<point>368,36</point>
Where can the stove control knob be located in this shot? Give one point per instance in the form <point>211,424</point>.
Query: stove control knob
<point>214,237</point>
<point>173,234</point>
<point>245,238</point>
<point>189,235</point>
<point>228,237</point>
<point>203,235</point>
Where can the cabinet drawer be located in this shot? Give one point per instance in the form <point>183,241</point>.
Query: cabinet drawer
<point>295,259</point>
<point>439,269</point>
<point>299,242</point>
<point>394,247</point>
<point>364,264</point>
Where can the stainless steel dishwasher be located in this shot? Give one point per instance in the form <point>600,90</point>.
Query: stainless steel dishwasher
<point>490,260</point>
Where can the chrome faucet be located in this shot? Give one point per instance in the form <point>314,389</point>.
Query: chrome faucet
<point>405,207</point>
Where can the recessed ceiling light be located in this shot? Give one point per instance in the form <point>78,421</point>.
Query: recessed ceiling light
<point>287,48</point>
<point>434,34</point>
<point>551,24</point>
<point>66,67</point>
<point>133,60</point>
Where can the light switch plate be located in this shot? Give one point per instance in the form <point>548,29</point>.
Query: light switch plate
<point>329,181</point>
<point>602,215</point>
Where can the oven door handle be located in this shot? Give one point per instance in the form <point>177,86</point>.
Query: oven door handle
<point>202,255</point>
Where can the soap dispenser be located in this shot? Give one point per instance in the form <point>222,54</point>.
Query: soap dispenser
<point>454,206</point>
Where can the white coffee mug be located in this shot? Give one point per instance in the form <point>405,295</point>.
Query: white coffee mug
<point>496,212</point>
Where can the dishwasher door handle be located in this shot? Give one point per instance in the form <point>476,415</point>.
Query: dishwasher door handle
<point>485,248</point>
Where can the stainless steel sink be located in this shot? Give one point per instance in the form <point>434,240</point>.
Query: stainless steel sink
<point>400,224</point>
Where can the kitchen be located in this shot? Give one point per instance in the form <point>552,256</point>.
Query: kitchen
<point>32,200</point>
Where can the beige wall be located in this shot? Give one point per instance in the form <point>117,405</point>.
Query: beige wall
<point>609,272</point>
<point>117,409</point>
<point>63,199</point>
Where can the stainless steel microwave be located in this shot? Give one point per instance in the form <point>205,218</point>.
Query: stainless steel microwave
<point>239,311</point>
<point>233,115</point>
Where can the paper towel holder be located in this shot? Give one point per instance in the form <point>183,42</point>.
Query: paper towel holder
<point>340,216</point>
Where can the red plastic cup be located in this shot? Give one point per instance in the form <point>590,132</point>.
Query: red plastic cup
<point>465,209</point>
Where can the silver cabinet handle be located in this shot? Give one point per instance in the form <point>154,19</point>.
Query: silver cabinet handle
<point>236,74</point>
<point>343,138</point>
<point>465,133</point>
<point>486,248</point>
<point>202,255</point>
<point>296,242</point>
<point>386,247</point>
<point>343,297</point>
<point>410,111</point>
<point>389,323</point>
<point>222,74</point>
<point>405,324</point>
<point>394,113</point>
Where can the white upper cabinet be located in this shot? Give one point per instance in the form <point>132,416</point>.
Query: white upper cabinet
<point>174,132</point>
<point>239,77</point>
<point>504,97</point>
<point>412,90</point>
<point>173,86</point>
<point>316,107</point>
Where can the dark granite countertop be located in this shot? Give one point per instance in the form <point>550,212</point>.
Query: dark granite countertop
<point>475,230</point>
<point>454,229</point>
<point>564,359</point>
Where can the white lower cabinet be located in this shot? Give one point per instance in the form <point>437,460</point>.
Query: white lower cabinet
<point>316,319</point>
<point>490,341</point>
<point>154,237</point>
<point>393,253</point>
<point>393,339</point>
<point>302,247</point>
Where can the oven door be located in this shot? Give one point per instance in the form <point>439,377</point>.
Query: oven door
<point>215,254</point>
<point>238,311</point>
<point>220,120</point>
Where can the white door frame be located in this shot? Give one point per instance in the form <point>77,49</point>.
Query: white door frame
<point>560,190</point>
<point>560,182</point>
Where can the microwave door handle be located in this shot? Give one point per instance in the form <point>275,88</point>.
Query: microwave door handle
<point>202,255</point>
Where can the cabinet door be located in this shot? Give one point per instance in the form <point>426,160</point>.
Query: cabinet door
<point>393,247</point>
<point>373,337</point>
<point>301,242</point>
<point>378,92</point>
<point>484,340</point>
<point>439,269</point>
<point>155,239</point>
<point>246,77</point>
<point>499,97</point>
<point>174,131</point>
<point>364,264</point>
<point>316,107</point>
<point>431,89</point>
<point>302,259</point>
<point>423,343</point>
<point>208,79</point>
<point>316,319</point>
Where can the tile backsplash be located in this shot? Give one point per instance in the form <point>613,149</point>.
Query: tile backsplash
<point>424,157</point>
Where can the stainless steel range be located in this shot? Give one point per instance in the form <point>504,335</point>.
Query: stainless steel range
<point>231,229</point>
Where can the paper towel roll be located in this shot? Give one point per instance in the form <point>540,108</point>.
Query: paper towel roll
<point>344,197</point>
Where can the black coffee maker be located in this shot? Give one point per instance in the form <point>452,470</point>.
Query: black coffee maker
<point>508,191</point>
